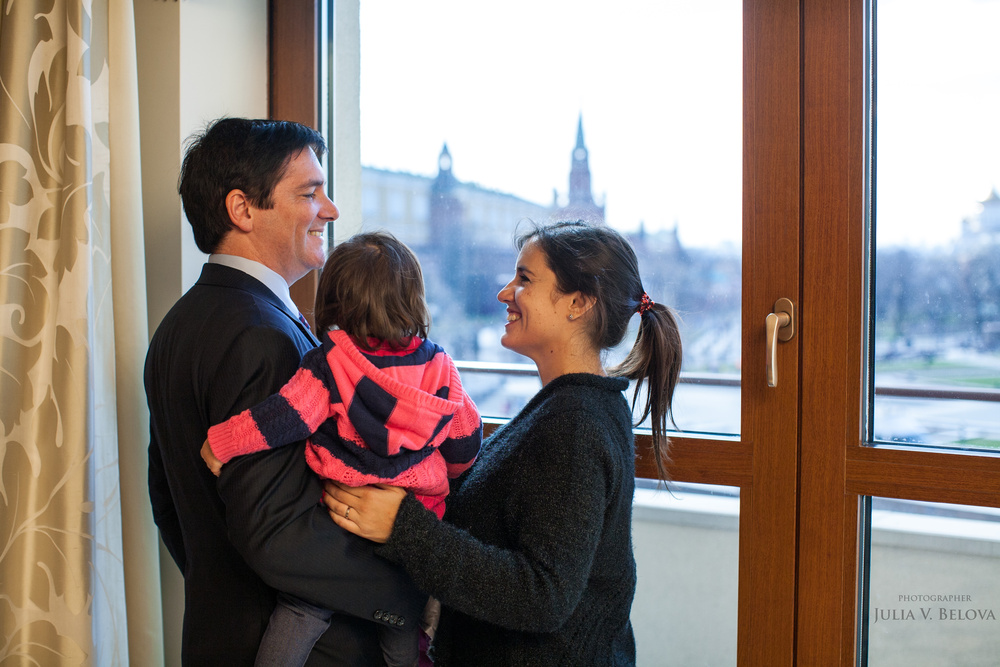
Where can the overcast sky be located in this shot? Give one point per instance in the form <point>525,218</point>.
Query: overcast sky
<point>659,86</point>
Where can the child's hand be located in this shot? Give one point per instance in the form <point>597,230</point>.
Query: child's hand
<point>214,464</point>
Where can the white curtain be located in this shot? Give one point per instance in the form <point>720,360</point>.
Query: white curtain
<point>79,572</point>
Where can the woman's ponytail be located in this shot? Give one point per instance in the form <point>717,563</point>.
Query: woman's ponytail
<point>656,358</point>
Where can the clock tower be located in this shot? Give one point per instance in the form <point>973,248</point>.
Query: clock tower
<point>445,208</point>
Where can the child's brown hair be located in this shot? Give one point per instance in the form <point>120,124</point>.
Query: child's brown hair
<point>372,288</point>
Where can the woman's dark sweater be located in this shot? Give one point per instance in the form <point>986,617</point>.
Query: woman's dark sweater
<point>533,563</point>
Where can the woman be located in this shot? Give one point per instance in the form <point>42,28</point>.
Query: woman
<point>533,563</point>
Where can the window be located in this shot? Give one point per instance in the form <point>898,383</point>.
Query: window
<point>927,567</point>
<point>937,224</point>
<point>807,473</point>
<point>502,121</point>
<point>933,594</point>
<point>523,121</point>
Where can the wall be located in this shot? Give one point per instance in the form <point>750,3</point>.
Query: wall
<point>198,60</point>
<point>687,557</point>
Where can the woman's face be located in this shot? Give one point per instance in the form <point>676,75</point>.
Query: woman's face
<point>537,312</point>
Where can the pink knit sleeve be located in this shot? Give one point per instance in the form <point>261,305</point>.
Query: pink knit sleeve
<point>236,436</point>
<point>293,414</point>
<point>461,447</point>
<point>467,420</point>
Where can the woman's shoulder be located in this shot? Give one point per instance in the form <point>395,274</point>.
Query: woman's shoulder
<point>583,391</point>
<point>572,405</point>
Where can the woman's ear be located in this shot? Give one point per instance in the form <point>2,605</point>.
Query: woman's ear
<point>238,207</point>
<point>580,304</point>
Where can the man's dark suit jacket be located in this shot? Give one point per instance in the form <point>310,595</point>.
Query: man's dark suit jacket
<point>228,343</point>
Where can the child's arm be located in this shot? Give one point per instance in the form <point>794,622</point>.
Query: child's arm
<point>291,415</point>
<point>461,447</point>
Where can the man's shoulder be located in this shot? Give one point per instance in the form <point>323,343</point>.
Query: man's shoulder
<point>239,300</point>
<point>212,321</point>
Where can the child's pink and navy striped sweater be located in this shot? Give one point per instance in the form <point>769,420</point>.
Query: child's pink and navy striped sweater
<point>397,417</point>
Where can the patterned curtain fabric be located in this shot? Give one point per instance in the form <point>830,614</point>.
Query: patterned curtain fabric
<point>72,335</point>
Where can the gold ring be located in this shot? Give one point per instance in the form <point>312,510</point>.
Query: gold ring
<point>347,513</point>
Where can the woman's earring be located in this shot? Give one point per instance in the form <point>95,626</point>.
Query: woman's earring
<point>571,318</point>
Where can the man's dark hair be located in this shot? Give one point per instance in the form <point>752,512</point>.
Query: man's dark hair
<point>237,154</point>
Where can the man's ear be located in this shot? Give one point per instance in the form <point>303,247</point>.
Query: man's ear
<point>238,206</point>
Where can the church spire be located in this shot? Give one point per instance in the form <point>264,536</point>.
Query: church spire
<point>579,175</point>
<point>581,204</point>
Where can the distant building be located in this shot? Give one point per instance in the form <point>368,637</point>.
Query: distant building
<point>978,253</point>
<point>581,204</point>
<point>982,229</point>
<point>422,211</point>
<point>434,211</point>
<point>463,234</point>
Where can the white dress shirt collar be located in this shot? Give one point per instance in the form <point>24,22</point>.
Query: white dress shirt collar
<point>273,281</point>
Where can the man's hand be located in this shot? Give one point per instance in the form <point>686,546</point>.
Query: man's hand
<point>214,464</point>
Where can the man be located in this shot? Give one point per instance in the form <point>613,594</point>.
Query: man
<point>253,192</point>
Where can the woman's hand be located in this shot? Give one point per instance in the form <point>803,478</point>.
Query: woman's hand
<point>213,463</point>
<point>366,511</point>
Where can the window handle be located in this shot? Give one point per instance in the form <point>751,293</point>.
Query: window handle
<point>780,326</point>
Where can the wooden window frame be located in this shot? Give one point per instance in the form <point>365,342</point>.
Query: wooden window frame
<point>293,88</point>
<point>801,463</point>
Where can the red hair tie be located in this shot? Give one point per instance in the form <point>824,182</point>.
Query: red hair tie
<point>645,304</point>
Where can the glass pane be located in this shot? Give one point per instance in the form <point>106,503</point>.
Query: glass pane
<point>686,544</point>
<point>934,589</point>
<point>477,118</point>
<point>937,222</point>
